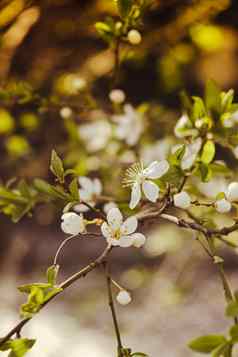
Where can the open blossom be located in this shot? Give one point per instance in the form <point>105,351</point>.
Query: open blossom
<point>72,223</point>
<point>95,134</point>
<point>130,125</point>
<point>119,233</point>
<point>89,192</point>
<point>140,179</point>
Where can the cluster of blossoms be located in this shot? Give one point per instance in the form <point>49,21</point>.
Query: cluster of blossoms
<point>224,202</point>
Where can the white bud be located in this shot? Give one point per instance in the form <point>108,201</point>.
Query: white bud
<point>72,223</point>
<point>182,200</point>
<point>223,206</point>
<point>123,297</point>
<point>210,136</point>
<point>117,96</point>
<point>228,123</point>
<point>232,192</point>
<point>199,123</point>
<point>139,240</point>
<point>66,112</point>
<point>134,37</point>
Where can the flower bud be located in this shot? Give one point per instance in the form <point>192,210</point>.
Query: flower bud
<point>123,297</point>
<point>182,200</point>
<point>66,112</point>
<point>223,206</point>
<point>72,223</point>
<point>232,192</point>
<point>134,37</point>
<point>117,96</point>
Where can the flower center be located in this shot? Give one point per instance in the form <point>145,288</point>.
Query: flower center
<point>117,234</point>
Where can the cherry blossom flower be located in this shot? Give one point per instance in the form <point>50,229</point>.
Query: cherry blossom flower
<point>119,233</point>
<point>89,192</point>
<point>140,179</point>
<point>72,223</point>
<point>130,125</point>
<point>95,134</point>
<point>191,153</point>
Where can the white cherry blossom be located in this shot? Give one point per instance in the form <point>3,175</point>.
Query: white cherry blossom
<point>119,233</point>
<point>95,134</point>
<point>72,223</point>
<point>89,192</point>
<point>140,179</point>
<point>130,125</point>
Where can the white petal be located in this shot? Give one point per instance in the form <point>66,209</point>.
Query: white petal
<point>129,226</point>
<point>72,223</point>
<point>151,190</point>
<point>106,230</point>
<point>97,185</point>
<point>156,169</point>
<point>85,195</point>
<point>126,241</point>
<point>114,218</point>
<point>135,195</point>
<point>86,183</point>
<point>81,208</point>
<point>138,240</point>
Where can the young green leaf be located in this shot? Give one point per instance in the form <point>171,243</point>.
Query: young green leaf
<point>56,166</point>
<point>51,274</point>
<point>19,347</point>
<point>208,152</point>
<point>124,7</point>
<point>232,309</point>
<point>206,344</point>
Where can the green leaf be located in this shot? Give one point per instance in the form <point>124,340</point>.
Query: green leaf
<point>56,166</point>
<point>74,189</point>
<point>104,30</point>
<point>124,7</point>
<point>222,350</point>
<point>52,191</point>
<point>226,100</point>
<point>19,347</point>
<point>199,109</point>
<point>139,354</point>
<point>205,172</point>
<point>234,333</point>
<point>176,158</point>
<point>208,152</point>
<point>232,309</point>
<point>212,96</point>
<point>51,274</point>
<point>207,344</point>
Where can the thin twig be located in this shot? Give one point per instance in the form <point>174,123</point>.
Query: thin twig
<point>113,310</point>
